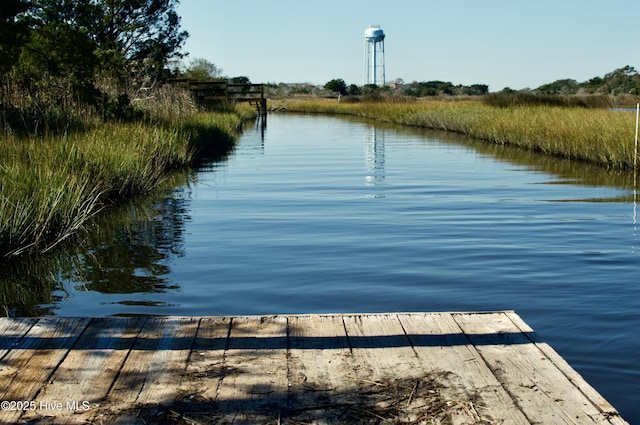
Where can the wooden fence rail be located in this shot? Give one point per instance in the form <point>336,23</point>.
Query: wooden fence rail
<point>207,92</point>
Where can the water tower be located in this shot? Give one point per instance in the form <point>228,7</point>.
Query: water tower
<point>374,55</point>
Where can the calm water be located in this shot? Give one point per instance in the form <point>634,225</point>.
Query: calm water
<point>329,215</point>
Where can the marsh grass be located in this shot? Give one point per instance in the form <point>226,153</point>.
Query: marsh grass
<point>506,99</point>
<point>598,136</point>
<point>50,187</point>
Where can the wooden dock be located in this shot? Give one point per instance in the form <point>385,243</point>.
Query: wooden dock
<point>213,92</point>
<point>391,368</point>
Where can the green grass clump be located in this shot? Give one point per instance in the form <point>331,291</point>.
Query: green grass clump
<point>598,136</point>
<point>51,186</point>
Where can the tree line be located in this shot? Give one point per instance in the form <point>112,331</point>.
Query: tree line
<point>622,81</point>
<point>414,89</point>
<point>625,80</point>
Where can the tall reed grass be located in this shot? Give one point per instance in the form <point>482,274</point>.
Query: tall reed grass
<point>598,136</point>
<point>50,187</point>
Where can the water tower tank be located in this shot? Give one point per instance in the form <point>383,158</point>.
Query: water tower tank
<point>374,34</point>
<point>374,55</point>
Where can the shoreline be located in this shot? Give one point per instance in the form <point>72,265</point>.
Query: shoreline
<point>51,187</point>
<point>596,136</point>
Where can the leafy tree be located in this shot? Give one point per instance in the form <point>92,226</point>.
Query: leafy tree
<point>566,86</point>
<point>429,88</point>
<point>58,50</point>
<point>337,85</point>
<point>130,37</point>
<point>439,88</point>
<point>625,80</point>
<point>57,57</point>
<point>65,47</point>
<point>621,81</point>
<point>354,90</point>
<point>140,35</point>
<point>476,89</point>
<point>625,71</point>
<point>201,69</point>
<point>372,90</point>
<point>592,85</point>
<point>240,80</point>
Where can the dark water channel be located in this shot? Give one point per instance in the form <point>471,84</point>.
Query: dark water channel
<point>328,215</point>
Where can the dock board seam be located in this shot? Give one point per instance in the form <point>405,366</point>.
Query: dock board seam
<point>62,359</point>
<point>224,357</point>
<point>413,348</point>
<point>346,333</point>
<point>289,362</point>
<point>124,360</point>
<point>512,396</point>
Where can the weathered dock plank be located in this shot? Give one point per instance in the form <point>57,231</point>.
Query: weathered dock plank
<point>603,405</point>
<point>320,370</point>
<point>206,366</point>
<point>536,384</point>
<point>83,379</point>
<point>255,389</point>
<point>385,365</point>
<point>154,366</point>
<point>444,350</point>
<point>33,360</point>
<point>484,368</point>
<point>12,330</point>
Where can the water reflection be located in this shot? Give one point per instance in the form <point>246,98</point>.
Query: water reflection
<point>127,251</point>
<point>27,287</point>
<point>374,159</point>
<point>635,214</point>
<point>132,254</point>
<point>131,250</point>
<point>567,171</point>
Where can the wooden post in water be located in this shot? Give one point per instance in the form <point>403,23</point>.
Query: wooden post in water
<point>635,172</point>
<point>635,150</point>
<point>263,106</point>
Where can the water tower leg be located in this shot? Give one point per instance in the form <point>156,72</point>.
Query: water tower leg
<point>374,64</point>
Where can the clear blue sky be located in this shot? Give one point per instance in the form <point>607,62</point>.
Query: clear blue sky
<point>502,43</point>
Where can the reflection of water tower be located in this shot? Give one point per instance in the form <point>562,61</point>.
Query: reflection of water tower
<point>374,55</point>
<point>374,160</point>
